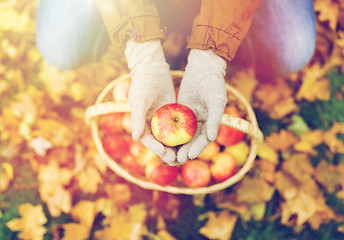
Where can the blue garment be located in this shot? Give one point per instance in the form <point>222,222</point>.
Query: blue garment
<point>70,33</point>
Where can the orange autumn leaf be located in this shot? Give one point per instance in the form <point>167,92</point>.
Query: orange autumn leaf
<point>330,138</point>
<point>219,226</point>
<point>282,140</point>
<point>275,98</point>
<point>30,225</point>
<point>328,12</point>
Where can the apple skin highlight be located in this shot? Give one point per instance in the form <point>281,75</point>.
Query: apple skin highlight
<point>174,124</point>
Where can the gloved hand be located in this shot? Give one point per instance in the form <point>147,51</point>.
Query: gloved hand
<point>151,87</point>
<point>203,90</point>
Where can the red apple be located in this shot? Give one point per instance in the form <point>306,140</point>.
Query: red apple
<point>133,164</point>
<point>195,173</point>
<point>226,135</point>
<point>121,90</point>
<point>224,166</point>
<point>115,145</point>
<point>160,172</point>
<point>111,123</point>
<point>174,124</point>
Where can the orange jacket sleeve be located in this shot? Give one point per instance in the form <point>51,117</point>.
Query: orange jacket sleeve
<point>221,25</point>
<point>137,19</point>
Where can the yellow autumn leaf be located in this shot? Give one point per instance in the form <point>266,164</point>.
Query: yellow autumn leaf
<point>57,82</point>
<point>276,98</point>
<point>314,84</point>
<point>125,225</point>
<point>266,152</point>
<point>30,225</point>
<point>84,212</point>
<point>308,141</point>
<point>89,180</point>
<point>75,231</point>
<point>219,226</point>
<point>58,133</point>
<point>53,180</point>
<point>245,82</point>
<point>330,138</point>
<point>11,20</point>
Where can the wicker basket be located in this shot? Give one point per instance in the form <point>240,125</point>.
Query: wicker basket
<point>249,126</point>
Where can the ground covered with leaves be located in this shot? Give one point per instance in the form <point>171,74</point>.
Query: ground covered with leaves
<point>54,184</point>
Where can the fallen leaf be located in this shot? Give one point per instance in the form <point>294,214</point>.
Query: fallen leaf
<point>119,193</point>
<point>125,225</point>
<point>75,231</point>
<point>282,140</point>
<point>219,225</point>
<point>330,138</point>
<point>40,145</point>
<point>53,180</point>
<point>275,98</point>
<point>308,141</point>
<point>328,12</point>
<point>89,180</point>
<point>314,85</point>
<point>30,225</point>
<point>245,82</point>
<point>254,190</point>
<point>329,176</point>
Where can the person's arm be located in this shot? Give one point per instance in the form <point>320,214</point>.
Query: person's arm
<point>131,19</point>
<point>221,26</point>
<point>135,26</point>
<point>217,32</point>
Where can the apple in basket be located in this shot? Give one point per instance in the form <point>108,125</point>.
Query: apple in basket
<point>121,90</point>
<point>223,166</point>
<point>226,135</point>
<point>159,172</point>
<point>115,145</point>
<point>195,173</point>
<point>111,123</point>
<point>174,124</point>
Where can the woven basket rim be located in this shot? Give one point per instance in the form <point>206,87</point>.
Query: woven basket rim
<point>100,108</point>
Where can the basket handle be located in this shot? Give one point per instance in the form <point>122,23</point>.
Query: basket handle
<point>231,121</point>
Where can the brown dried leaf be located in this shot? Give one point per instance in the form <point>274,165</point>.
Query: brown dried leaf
<point>329,176</point>
<point>254,190</point>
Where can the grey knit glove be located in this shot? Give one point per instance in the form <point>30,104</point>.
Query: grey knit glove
<point>203,90</point>
<point>151,88</point>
